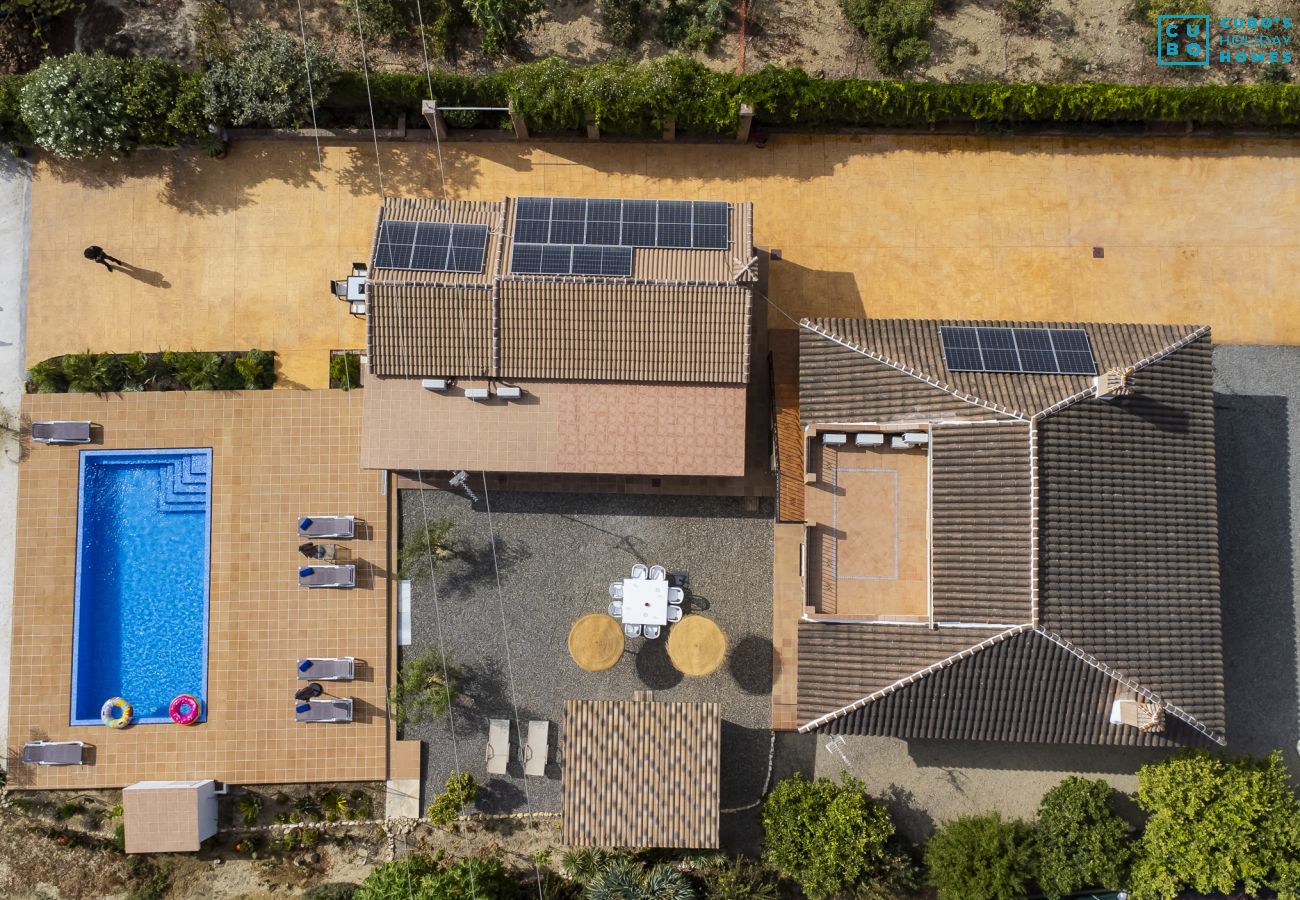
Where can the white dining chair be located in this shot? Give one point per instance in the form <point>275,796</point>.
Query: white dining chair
<point>676,596</point>
<point>616,609</point>
<point>652,632</point>
<point>632,630</point>
<point>658,573</point>
<point>674,614</point>
<point>639,571</point>
<point>616,590</point>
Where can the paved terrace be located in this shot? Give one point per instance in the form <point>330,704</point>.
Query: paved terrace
<point>237,252</point>
<point>276,455</point>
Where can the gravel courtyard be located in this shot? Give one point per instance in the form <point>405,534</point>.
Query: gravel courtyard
<point>557,554</point>
<point>1257,409</point>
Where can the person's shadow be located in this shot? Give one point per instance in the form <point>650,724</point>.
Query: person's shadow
<point>147,276</point>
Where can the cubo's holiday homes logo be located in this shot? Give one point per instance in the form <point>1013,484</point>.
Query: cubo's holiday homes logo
<point>1186,40</point>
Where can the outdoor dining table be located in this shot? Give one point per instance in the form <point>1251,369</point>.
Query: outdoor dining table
<point>596,642</point>
<point>356,287</point>
<point>645,601</point>
<point>696,645</point>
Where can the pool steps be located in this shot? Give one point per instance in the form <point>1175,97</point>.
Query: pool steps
<point>184,482</point>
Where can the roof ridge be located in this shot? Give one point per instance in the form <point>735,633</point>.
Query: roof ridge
<point>1132,685</point>
<point>1195,335</point>
<point>908,370</point>
<point>915,676</point>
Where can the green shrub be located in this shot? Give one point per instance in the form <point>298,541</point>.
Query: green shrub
<point>620,21</point>
<point>899,30</point>
<point>426,550</point>
<point>829,837</point>
<point>200,371</point>
<point>1275,73</point>
<point>256,370</point>
<point>149,90</point>
<point>739,879</point>
<point>692,24</point>
<point>459,791</point>
<point>90,373</point>
<point>424,689</point>
<point>382,18</point>
<point>250,805</point>
<point>76,105</point>
<point>1217,825</point>
<point>443,21</point>
<point>501,22</point>
<point>1081,842</point>
<point>1148,13</point>
<point>138,371</point>
<point>417,877</point>
<point>47,377</point>
<point>981,858</point>
<point>1026,15</point>
<point>331,890</point>
<point>345,371</point>
<point>188,115</point>
<point>265,81</point>
<point>13,130</point>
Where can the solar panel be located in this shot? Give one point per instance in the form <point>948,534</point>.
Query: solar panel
<point>431,246</point>
<point>570,259</point>
<point>1066,351</point>
<point>679,224</point>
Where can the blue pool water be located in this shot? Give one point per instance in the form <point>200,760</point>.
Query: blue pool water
<point>142,581</point>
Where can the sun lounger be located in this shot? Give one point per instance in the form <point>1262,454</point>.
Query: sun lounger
<point>325,709</point>
<point>327,576</point>
<point>54,753</point>
<point>334,668</point>
<point>498,746</point>
<point>538,748</point>
<point>61,432</point>
<point>327,526</point>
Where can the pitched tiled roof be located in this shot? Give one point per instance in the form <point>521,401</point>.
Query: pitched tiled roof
<point>1023,688</point>
<point>980,523</point>
<point>683,316</point>
<point>1129,543</point>
<point>919,381</point>
<point>1094,523</point>
<point>668,799</point>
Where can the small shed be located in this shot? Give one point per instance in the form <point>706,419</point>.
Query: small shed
<point>169,816</point>
<point>641,774</point>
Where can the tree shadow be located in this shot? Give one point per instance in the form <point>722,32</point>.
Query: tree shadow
<point>751,664</point>
<point>198,184</point>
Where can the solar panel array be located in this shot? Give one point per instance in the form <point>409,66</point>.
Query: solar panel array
<point>1041,351</point>
<point>569,259</point>
<point>431,246</point>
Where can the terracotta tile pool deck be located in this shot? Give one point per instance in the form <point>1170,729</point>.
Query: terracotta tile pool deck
<point>275,455</point>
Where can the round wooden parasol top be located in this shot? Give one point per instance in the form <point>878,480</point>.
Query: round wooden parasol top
<point>696,645</point>
<point>596,642</point>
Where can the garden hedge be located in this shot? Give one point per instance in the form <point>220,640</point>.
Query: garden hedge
<point>636,99</point>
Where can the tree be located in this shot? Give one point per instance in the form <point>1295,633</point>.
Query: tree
<point>1081,842</point>
<point>829,836</point>
<point>424,689</point>
<point>1217,825</point>
<point>981,858</point>
<point>76,105</point>
<point>265,81</point>
<point>617,876</point>
<point>502,21</point>
<point>460,790</point>
<point>899,30</point>
<point>426,550</point>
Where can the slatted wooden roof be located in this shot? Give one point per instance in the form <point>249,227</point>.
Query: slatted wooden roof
<point>641,773</point>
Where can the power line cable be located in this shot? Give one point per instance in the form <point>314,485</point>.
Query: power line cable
<point>311,94</point>
<point>365,70</point>
<point>428,75</point>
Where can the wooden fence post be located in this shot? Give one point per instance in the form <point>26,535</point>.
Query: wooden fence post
<point>517,120</point>
<point>433,115</point>
<point>746,122</point>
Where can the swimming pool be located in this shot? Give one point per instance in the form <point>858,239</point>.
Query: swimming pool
<point>141,620</point>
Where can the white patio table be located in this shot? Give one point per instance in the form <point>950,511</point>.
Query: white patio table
<point>645,602</point>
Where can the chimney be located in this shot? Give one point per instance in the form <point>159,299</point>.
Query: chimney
<point>1113,384</point>
<point>1138,712</point>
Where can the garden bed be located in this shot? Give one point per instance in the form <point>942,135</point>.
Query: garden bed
<point>191,370</point>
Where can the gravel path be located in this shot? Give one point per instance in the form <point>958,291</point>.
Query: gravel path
<point>557,554</point>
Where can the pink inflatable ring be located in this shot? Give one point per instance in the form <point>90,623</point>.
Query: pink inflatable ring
<point>185,709</point>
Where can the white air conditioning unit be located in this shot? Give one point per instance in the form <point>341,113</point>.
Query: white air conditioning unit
<point>869,439</point>
<point>834,439</point>
<point>434,384</point>
<point>478,393</point>
<point>909,439</point>
<point>510,392</point>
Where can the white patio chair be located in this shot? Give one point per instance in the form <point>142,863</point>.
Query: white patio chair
<point>616,590</point>
<point>652,632</point>
<point>616,609</point>
<point>658,573</point>
<point>674,614</point>
<point>632,631</point>
<point>498,746</point>
<point>676,596</point>
<point>640,571</point>
<point>538,747</point>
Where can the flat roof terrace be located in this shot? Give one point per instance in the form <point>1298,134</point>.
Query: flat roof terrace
<point>867,541</point>
<point>276,455</point>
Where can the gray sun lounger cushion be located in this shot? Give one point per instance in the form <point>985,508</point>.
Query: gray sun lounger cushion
<point>336,668</point>
<point>327,576</point>
<point>54,753</point>
<point>537,748</point>
<point>332,709</point>
<point>498,746</point>
<point>327,526</point>
<point>61,432</point>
